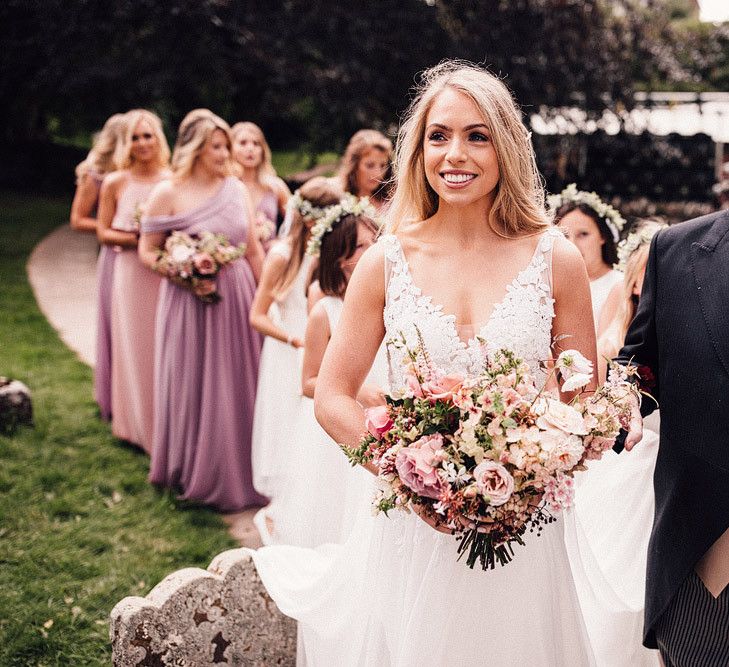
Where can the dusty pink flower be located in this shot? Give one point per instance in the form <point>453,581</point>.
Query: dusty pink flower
<point>413,384</point>
<point>378,421</point>
<point>571,362</point>
<point>416,466</point>
<point>444,389</point>
<point>204,263</point>
<point>494,481</point>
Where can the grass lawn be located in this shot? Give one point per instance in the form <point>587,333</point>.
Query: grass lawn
<point>80,527</point>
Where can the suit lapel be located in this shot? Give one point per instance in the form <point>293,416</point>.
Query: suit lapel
<point>710,265</point>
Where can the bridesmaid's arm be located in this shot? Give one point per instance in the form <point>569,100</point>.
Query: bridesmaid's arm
<point>160,202</point>
<point>107,208</point>
<point>313,295</point>
<point>315,345</point>
<point>351,351</point>
<point>572,306</point>
<point>87,194</point>
<point>254,248</point>
<point>273,269</point>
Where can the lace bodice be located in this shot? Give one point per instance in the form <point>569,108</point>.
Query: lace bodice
<point>521,321</point>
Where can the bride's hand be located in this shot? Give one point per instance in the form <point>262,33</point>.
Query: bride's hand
<point>370,396</point>
<point>421,512</point>
<point>635,429</point>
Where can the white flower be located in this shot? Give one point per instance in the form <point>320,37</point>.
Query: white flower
<point>181,254</point>
<point>571,362</point>
<point>577,381</point>
<point>456,476</point>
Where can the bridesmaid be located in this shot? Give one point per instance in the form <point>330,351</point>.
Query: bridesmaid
<point>366,167</point>
<point>594,227</point>
<point>134,289</point>
<point>104,157</point>
<point>268,192</point>
<point>206,356</point>
<point>279,313</point>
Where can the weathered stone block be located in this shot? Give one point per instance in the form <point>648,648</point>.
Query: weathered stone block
<point>221,615</point>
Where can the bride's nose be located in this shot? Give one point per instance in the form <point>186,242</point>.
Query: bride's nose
<point>456,151</point>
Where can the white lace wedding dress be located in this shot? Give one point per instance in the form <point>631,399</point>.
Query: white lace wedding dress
<point>394,593</point>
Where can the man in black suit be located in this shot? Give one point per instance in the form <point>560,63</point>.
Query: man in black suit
<point>681,334</point>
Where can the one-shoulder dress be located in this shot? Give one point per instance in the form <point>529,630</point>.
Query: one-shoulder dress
<point>206,369</point>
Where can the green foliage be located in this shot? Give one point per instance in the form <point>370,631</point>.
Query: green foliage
<point>80,527</point>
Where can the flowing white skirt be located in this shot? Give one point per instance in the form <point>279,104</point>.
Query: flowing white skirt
<point>278,402</point>
<point>322,492</point>
<point>608,545</point>
<point>394,595</point>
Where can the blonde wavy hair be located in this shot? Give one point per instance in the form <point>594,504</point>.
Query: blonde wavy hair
<point>320,192</point>
<point>134,117</point>
<point>612,339</point>
<point>359,144</point>
<point>107,150</point>
<point>195,130</point>
<point>265,167</point>
<point>519,206</point>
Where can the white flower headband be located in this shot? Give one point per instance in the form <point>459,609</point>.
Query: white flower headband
<point>610,215</point>
<point>327,217</point>
<point>634,241</point>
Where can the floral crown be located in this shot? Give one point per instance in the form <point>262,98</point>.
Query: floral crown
<point>610,215</point>
<point>329,216</point>
<point>634,241</point>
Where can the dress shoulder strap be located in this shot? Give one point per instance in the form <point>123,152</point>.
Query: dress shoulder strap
<point>333,308</point>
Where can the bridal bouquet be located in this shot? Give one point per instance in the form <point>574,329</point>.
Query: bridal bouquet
<point>192,258</point>
<point>490,456</point>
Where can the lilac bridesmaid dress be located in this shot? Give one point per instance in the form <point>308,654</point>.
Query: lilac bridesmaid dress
<point>206,369</point>
<point>268,207</point>
<point>104,281</point>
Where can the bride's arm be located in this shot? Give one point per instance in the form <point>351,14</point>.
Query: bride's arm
<point>350,352</point>
<point>572,306</point>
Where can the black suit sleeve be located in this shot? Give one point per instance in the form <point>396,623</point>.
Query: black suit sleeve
<point>641,344</point>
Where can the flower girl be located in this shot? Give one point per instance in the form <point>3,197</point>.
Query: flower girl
<point>323,493</point>
<point>279,313</point>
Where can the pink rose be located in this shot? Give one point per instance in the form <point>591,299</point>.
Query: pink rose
<point>204,263</point>
<point>443,389</point>
<point>416,463</point>
<point>494,481</point>
<point>378,421</point>
<point>413,384</point>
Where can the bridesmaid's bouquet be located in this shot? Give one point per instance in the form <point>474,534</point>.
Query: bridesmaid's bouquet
<point>492,456</point>
<point>190,259</point>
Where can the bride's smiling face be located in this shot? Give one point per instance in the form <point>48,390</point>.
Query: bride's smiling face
<point>458,154</point>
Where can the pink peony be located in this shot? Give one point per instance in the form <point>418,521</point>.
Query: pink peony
<point>443,389</point>
<point>416,466</point>
<point>378,421</point>
<point>494,481</point>
<point>204,263</point>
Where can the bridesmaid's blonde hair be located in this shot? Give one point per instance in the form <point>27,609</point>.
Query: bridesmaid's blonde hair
<point>195,130</point>
<point>612,339</point>
<point>265,167</point>
<point>518,208</point>
<point>107,152</point>
<point>134,117</point>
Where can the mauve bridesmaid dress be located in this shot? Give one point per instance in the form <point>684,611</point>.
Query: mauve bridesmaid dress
<point>206,369</point>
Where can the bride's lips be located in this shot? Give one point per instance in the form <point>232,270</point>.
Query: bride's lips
<point>457,179</point>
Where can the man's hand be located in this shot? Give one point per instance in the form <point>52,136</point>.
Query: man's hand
<point>635,428</point>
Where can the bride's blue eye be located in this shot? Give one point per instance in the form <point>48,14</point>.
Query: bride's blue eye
<point>436,136</point>
<point>477,136</point>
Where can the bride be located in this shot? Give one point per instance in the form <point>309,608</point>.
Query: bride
<point>469,255</point>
